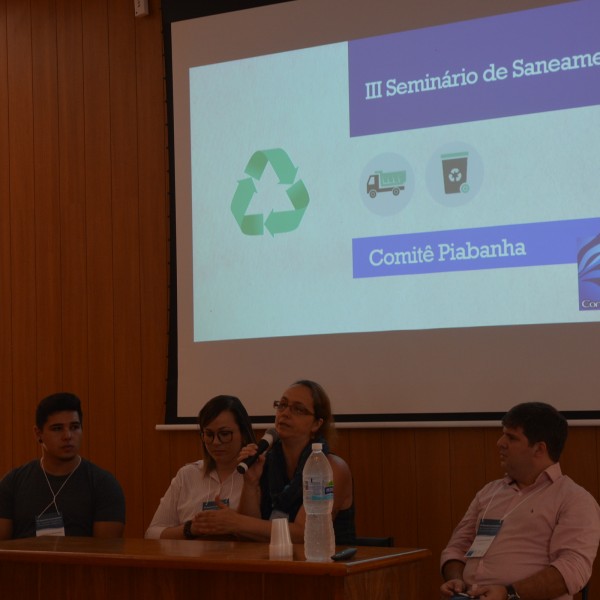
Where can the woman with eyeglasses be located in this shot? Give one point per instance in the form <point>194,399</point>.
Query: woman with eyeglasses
<point>205,485</point>
<point>273,484</point>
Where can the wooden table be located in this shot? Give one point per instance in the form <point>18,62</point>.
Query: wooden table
<point>72,568</point>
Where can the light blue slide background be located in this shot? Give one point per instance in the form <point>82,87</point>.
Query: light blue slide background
<point>535,168</point>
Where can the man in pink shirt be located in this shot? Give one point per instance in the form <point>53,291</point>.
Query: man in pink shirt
<point>532,535</point>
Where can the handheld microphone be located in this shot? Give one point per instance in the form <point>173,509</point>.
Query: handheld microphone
<point>270,437</point>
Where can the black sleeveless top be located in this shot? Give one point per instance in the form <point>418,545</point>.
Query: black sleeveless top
<point>280,494</point>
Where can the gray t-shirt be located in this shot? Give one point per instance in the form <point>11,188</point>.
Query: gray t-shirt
<point>90,495</point>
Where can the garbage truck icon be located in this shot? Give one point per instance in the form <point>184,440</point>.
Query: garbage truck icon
<point>392,181</point>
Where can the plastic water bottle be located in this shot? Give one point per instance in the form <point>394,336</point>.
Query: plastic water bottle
<point>317,477</point>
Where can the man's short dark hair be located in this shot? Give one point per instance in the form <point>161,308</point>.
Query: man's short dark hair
<point>57,403</point>
<point>540,423</point>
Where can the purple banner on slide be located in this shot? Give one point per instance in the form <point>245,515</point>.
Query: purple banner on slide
<point>531,61</point>
<point>499,247</point>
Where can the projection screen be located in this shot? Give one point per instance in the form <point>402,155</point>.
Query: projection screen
<point>398,200</point>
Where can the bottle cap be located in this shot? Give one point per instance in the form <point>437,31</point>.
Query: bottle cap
<point>317,446</point>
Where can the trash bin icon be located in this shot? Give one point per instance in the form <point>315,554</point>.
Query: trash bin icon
<point>454,168</point>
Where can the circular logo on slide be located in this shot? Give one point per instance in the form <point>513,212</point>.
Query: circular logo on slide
<point>454,174</point>
<point>281,221</point>
<point>387,184</point>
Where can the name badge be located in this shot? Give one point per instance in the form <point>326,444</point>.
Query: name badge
<point>50,524</point>
<point>212,505</point>
<point>486,533</point>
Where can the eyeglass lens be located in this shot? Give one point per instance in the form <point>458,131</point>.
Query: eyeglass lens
<point>224,436</point>
<point>295,408</point>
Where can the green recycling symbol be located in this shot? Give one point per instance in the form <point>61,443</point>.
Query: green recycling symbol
<point>280,221</point>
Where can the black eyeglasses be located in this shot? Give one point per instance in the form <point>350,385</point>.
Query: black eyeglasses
<point>223,435</point>
<point>297,409</point>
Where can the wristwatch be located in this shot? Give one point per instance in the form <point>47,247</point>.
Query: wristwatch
<point>187,532</point>
<point>511,593</point>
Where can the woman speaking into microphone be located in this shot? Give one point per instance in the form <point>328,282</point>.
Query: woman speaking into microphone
<point>273,482</point>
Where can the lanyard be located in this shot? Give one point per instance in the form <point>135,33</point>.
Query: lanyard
<point>209,496</point>
<point>54,496</point>
<point>488,529</point>
<point>528,497</point>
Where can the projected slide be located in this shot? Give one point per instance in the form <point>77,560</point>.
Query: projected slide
<point>427,179</point>
<point>399,200</point>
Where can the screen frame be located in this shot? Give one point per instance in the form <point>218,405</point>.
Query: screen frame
<point>178,10</point>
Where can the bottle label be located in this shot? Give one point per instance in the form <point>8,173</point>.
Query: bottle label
<point>318,489</point>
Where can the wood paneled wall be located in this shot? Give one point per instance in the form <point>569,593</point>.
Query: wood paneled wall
<point>84,280</point>
<point>84,231</point>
